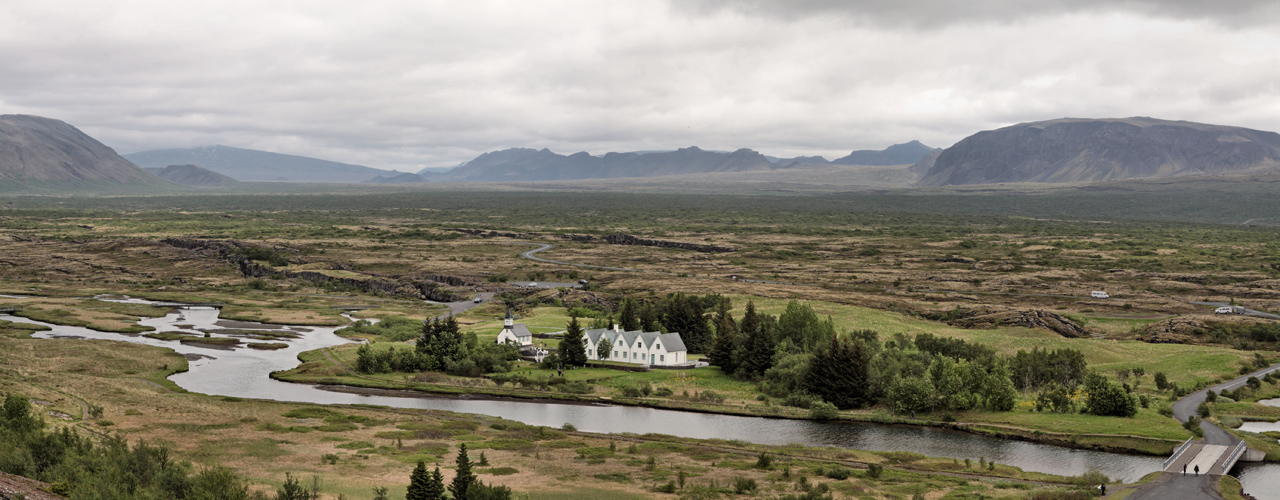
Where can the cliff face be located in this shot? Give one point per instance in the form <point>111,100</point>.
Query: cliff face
<point>43,149</point>
<point>1086,150</point>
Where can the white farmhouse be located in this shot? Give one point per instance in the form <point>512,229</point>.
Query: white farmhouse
<point>517,335</point>
<point>642,348</point>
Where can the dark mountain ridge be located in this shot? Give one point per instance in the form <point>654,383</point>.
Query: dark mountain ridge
<point>253,165</point>
<point>897,154</point>
<point>1091,150</point>
<point>522,164</point>
<point>33,148</point>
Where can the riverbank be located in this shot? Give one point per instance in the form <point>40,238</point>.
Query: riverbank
<point>324,367</point>
<point>354,448</point>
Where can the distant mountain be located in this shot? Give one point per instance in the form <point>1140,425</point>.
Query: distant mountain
<point>1085,150</point>
<point>33,148</point>
<point>921,168</point>
<point>253,165</point>
<point>897,154</point>
<point>398,179</point>
<point>192,175</point>
<point>519,164</point>
<point>799,160</point>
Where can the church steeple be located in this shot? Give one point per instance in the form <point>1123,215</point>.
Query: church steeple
<point>509,321</point>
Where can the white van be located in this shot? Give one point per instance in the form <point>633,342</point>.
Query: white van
<point>1099,295</point>
<point>1229,310</point>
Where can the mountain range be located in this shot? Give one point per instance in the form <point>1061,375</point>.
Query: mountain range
<point>39,149</point>
<point>1091,150</point>
<point>253,165</point>
<point>522,164</point>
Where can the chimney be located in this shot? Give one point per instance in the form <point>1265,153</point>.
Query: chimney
<point>615,327</point>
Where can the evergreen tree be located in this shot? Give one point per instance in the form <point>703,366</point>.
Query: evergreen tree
<point>441,341</point>
<point>685,314</point>
<point>463,480</point>
<point>435,490</point>
<point>419,483</point>
<point>649,319</point>
<point>755,355</point>
<point>838,374</point>
<point>573,345</point>
<point>630,318</point>
<point>726,339</point>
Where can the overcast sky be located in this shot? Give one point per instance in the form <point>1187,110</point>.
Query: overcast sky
<point>411,84</point>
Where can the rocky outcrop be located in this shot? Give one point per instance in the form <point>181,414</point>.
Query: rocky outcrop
<point>493,234</point>
<point>1090,150</point>
<point>991,318</point>
<point>429,287</point>
<point>14,487</point>
<point>634,241</point>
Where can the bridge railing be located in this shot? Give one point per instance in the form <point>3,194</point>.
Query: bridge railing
<point>1235,455</point>
<point>1176,453</point>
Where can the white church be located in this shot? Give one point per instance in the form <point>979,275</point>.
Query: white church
<point>642,348</point>
<point>517,335</point>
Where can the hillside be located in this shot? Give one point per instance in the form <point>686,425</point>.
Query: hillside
<point>1089,150</point>
<point>192,175</point>
<point>253,165</point>
<point>405,178</point>
<point>520,164</point>
<point>897,154</point>
<point>36,149</point>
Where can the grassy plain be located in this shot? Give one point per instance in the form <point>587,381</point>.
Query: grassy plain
<point>880,260</point>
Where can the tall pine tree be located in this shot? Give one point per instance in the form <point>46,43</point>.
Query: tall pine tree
<point>464,478</point>
<point>419,483</point>
<point>573,345</point>
<point>630,318</point>
<point>686,315</point>
<point>839,373</point>
<point>726,339</point>
<point>435,490</point>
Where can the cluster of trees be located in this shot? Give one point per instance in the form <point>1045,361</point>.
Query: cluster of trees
<point>441,346</point>
<point>677,312</point>
<point>425,485</point>
<point>800,357</point>
<point>80,468</point>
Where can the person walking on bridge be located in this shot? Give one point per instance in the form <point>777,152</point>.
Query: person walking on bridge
<point>1197,470</point>
<point>1184,469</point>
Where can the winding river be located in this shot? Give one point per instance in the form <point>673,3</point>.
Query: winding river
<point>243,372</point>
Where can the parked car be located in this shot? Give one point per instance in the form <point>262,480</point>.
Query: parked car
<point>1229,310</point>
<point>478,299</point>
<point>582,282</point>
<point>1099,295</point>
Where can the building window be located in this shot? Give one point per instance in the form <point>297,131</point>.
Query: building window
<point>615,354</point>
<point>661,358</point>
<point>658,346</point>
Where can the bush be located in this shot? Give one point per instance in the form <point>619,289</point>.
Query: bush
<point>764,461</point>
<point>837,472</point>
<point>874,470</point>
<point>822,410</point>
<point>743,485</point>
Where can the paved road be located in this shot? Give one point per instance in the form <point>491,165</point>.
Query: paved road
<point>1178,487</point>
<point>456,308</point>
<point>1247,312</point>
<point>529,254</point>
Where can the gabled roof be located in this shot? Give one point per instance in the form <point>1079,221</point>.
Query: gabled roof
<point>673,342</point>
<point>649,338</point>
<point>521,331</point>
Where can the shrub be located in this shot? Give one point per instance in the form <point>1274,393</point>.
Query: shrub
<point>822,410</point>
<point>837,472</point>
<point>875,470</point>
<point>744,485</point>
<point>764,461</point>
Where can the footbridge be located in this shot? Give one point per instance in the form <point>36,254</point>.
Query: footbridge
<point>1208,459</point>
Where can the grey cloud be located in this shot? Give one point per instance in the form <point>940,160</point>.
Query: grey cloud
<point>934,13</point>
<point>406,85</point>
